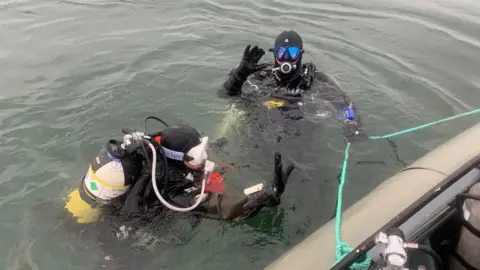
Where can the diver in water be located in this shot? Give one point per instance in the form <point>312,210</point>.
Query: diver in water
<point>132,183</point>
<point>189,183</point>
<point>290,85</point>
<point>168,169</point>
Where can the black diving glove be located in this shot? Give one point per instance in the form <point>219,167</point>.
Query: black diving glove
<point>270,195</point>
<point>280,177</point>
<point>249,63</point>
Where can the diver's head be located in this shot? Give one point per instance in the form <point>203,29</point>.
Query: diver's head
<point>288,52</point>
<point>186,146</point>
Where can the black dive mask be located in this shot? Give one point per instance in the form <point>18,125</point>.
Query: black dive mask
<point>288,51</point>
<point>287,60</point>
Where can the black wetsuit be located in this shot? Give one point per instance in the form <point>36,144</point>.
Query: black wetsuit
<point>308,95</point>
<point>140,219</point>
<point>182,192</point>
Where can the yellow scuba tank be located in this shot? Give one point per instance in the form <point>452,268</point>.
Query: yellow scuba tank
<point>109,176</point>
<point>468,246</point>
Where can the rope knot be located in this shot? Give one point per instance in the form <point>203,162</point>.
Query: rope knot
<point>343,249</point>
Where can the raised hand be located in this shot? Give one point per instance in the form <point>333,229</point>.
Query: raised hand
<point>249,63</point>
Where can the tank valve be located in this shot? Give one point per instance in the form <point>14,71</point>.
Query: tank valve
<point>132,138</point>
<point>395,255</point>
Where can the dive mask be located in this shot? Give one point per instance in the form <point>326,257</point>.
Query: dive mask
<point>286,57</point>
<point>194,159</point>
<point>287,53</point>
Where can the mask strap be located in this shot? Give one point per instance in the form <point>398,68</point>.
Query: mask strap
<point>273,50</point>
<point>175,155</point>
<point>180,156</point>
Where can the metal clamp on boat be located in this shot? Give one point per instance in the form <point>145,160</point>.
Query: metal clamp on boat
<point>394,254</point>
<point>394,251</point>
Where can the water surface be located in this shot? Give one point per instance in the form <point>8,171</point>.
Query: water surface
<point>73,73</point>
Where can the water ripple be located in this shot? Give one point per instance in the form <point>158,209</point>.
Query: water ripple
<point>77,71</point>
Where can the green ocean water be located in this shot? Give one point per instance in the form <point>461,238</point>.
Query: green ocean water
<point>73,73</point>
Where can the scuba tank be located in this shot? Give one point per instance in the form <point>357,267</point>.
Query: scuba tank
<point>467,252</point>
<point>110,174</point>
<point>108,177</point>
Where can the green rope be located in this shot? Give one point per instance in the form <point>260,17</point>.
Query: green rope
<point>424,126</point>
<point>343,248</point>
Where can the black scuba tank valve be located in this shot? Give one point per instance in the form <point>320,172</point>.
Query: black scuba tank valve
<point>114,148</point>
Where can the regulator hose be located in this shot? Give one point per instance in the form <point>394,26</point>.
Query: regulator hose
<point>165,165</point>
<point>154,118</point>
<point>429,251</point>
<point>159,196</point>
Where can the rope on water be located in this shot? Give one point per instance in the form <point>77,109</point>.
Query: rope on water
<point>343,248</point>
<point>424,126</point>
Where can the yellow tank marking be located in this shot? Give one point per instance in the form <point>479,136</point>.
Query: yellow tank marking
<point>81,210</point>
<point>95,177</point>
<point>273,104</point>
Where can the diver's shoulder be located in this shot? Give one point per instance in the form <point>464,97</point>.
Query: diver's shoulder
<point>326,80</point>
<point>322,76</point>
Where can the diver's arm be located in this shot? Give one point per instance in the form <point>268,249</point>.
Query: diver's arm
<point>231,207</point>
<point>260,195</point>
<point>326,79</point>
<point>214,205</point>
<point>346,110</point>
<point>227,206</point>
<point>236,79</point>
<point>248,65</point>
<point>329,90</point>
<point>141,195</point>
<point>134,201</point>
